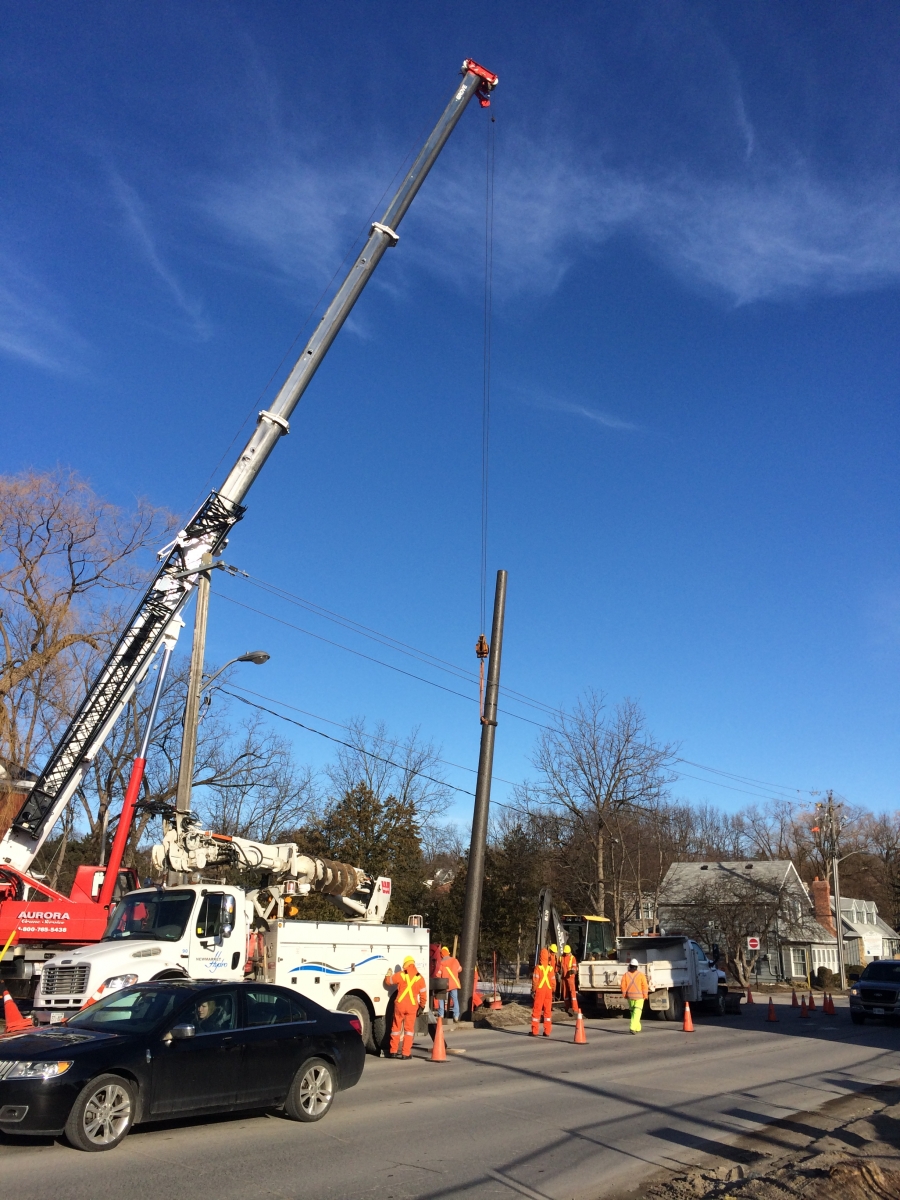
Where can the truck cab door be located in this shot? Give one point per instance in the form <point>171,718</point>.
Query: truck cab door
<point>707,976</point>
<point>216,947</point>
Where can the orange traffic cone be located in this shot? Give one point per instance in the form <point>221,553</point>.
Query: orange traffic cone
<point>439,1050</point>
<point>750,999</point>
<point>828,1007</point>
<point>580,1039</point>
<point>771,1016</point>
<point>15,1022</point>
<point>688,1026</point>
<point>812,1003</point>
<point>795,1003</point>
<point>804,1011</point>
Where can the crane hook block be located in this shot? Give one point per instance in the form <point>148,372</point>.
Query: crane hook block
<point>488,80</point>
<point>482,649</point>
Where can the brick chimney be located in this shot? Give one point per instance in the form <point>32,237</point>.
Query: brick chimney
<point>821,894</point>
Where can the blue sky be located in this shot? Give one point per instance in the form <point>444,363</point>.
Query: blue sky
<point>695,359</point>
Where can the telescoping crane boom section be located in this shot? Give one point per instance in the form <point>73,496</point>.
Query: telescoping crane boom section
<point>207,530</point>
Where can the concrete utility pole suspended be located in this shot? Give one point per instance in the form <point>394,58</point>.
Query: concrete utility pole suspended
<point>475,873</point>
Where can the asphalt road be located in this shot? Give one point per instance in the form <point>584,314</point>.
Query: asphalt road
<point>511,1117</point>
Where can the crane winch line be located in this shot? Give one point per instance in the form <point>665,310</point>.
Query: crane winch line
<point>207,531</point>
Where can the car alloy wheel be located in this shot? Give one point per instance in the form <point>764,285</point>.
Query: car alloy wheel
<point>312,1091</point>
<point>102,1114</point>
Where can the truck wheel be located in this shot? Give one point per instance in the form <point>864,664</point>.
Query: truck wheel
<point>170,974</point>
<point>102,1114</point>
<point>675,1011</point>
<point>355,1007</point>
<point>312,1091</point>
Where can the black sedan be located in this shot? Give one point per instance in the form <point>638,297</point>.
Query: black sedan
<point>170,1049</point>
<point>877,992</point>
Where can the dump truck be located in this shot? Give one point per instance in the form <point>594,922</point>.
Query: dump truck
<point>677,970</point>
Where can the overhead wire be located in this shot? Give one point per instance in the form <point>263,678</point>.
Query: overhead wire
<point>460,672</point>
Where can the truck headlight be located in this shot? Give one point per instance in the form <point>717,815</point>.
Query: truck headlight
<point>115,982</point>
<point>38,1070</point>
<point>854,991</point>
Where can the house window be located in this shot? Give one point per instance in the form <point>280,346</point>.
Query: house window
<point>795,962</point>
<point>870,918</point>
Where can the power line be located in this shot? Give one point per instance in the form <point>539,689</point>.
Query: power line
<point>463,673</point>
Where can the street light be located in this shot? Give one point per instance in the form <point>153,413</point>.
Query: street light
<point>257,657</point>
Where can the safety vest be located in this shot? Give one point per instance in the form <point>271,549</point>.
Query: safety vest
<point>542,976</point>
<point>409,988</point>
<point>634,985</point>
<point>568,963</point>
<point>450,970</point>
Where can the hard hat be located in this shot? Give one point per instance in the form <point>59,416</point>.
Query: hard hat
<point>554,947</point>
<point>567,949</point>
<point>634,963</point>
<point>445,950</point>
<point>409,959</point>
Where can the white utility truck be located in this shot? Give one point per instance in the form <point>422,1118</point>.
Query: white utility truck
<point>677,970</point>
<point>214,930</point>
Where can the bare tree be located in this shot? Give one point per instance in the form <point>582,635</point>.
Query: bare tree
<point>734,906</point>
<point>255,789</point>
<point>62,548</point>
<point>595,768</point>
<point>407,769</point>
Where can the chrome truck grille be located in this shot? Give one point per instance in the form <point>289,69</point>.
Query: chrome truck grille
<point>65,981</point>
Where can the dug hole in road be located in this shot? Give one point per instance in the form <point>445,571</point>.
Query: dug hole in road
<point>545,1119</point>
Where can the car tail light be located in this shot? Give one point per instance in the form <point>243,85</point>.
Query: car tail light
<point>357,1025</point>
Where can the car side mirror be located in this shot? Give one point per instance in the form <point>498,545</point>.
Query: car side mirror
<point>182,1032</point>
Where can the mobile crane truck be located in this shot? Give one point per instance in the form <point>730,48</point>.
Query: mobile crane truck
<point>35,920</point>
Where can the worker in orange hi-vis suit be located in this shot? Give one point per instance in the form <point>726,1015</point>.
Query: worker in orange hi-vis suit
<point>409,999</point>
<point>451,971</point>
<point>543,983</point>
<point>635,991</point>
<point>568,973</point>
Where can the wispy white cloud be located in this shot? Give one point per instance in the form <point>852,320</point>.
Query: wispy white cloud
<point>553,403</point>
<point>139,227</point>
<point>33,325</point>
<point>760,233</point>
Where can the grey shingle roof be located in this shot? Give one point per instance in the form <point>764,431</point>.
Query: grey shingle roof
<point>684,878</point>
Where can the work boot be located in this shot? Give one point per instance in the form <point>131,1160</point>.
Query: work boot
<point>405,1057</point>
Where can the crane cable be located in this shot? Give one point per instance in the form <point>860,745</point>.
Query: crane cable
<point>482,648</point>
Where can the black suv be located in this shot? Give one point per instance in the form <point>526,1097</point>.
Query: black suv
<point>876,992</point>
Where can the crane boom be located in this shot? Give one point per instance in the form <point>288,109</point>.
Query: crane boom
<point>208,529</point>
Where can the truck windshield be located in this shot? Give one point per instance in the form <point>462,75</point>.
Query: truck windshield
<point>161,916</point>
<point>882,972</point>
<point>599,940</point>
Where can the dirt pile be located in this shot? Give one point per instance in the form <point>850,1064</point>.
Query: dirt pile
<point>847,1150</point>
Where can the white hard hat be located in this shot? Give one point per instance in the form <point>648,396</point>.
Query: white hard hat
<point>634,963</point>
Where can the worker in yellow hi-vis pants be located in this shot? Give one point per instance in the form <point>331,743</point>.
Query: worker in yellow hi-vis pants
<point>635,991</point>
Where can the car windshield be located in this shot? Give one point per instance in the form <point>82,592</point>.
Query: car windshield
<point>882,972</point>
<point>131,1010</point>
<point>162,916</point>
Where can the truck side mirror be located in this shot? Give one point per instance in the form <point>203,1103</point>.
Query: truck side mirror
<point>227,930</point>
<point>181,1032</point>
